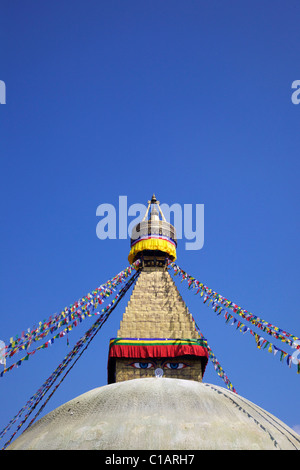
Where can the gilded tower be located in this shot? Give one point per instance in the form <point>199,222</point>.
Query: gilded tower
<point>157,335</point>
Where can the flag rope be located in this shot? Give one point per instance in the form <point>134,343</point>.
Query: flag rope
<point>218,302</point>
<point>217,366</point>
<point>86,338</point>
<point>71,316</point>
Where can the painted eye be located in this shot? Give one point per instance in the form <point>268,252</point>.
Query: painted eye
<point>142,365</point>
<point>175,365</point>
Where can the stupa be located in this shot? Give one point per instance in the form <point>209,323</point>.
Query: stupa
<point>155,398</point>
<point>157,336</point>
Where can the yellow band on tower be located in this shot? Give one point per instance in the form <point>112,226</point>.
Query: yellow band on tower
<point>153,244</point>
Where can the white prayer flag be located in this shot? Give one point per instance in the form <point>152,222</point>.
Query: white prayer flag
<point>2,352</point>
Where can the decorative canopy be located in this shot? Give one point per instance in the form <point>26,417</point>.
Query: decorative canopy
<point>146,348</point>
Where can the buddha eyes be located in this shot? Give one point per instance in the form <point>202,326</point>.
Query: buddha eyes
<point>142,365</point>
<point>167,365</point>
<point>175,365</point>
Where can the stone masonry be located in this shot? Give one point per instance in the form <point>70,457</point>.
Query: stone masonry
<point>157,310</point>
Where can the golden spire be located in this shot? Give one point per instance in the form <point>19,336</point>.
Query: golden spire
<point>154,236</point>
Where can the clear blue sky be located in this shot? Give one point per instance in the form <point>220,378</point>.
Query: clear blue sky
<point>187,99</point>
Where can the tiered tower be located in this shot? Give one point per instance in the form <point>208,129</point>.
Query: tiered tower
<point>157,336</point>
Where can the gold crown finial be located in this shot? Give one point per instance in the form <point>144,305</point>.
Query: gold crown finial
<point>153,200</point>
<point>153,235</point>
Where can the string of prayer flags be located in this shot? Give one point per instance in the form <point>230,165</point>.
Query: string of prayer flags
<point>83,307</point>
<point>219,304</point>
<point>217,366</point>
<point>61,334</point>
<point>83,342</point>
<point>208,293</point>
